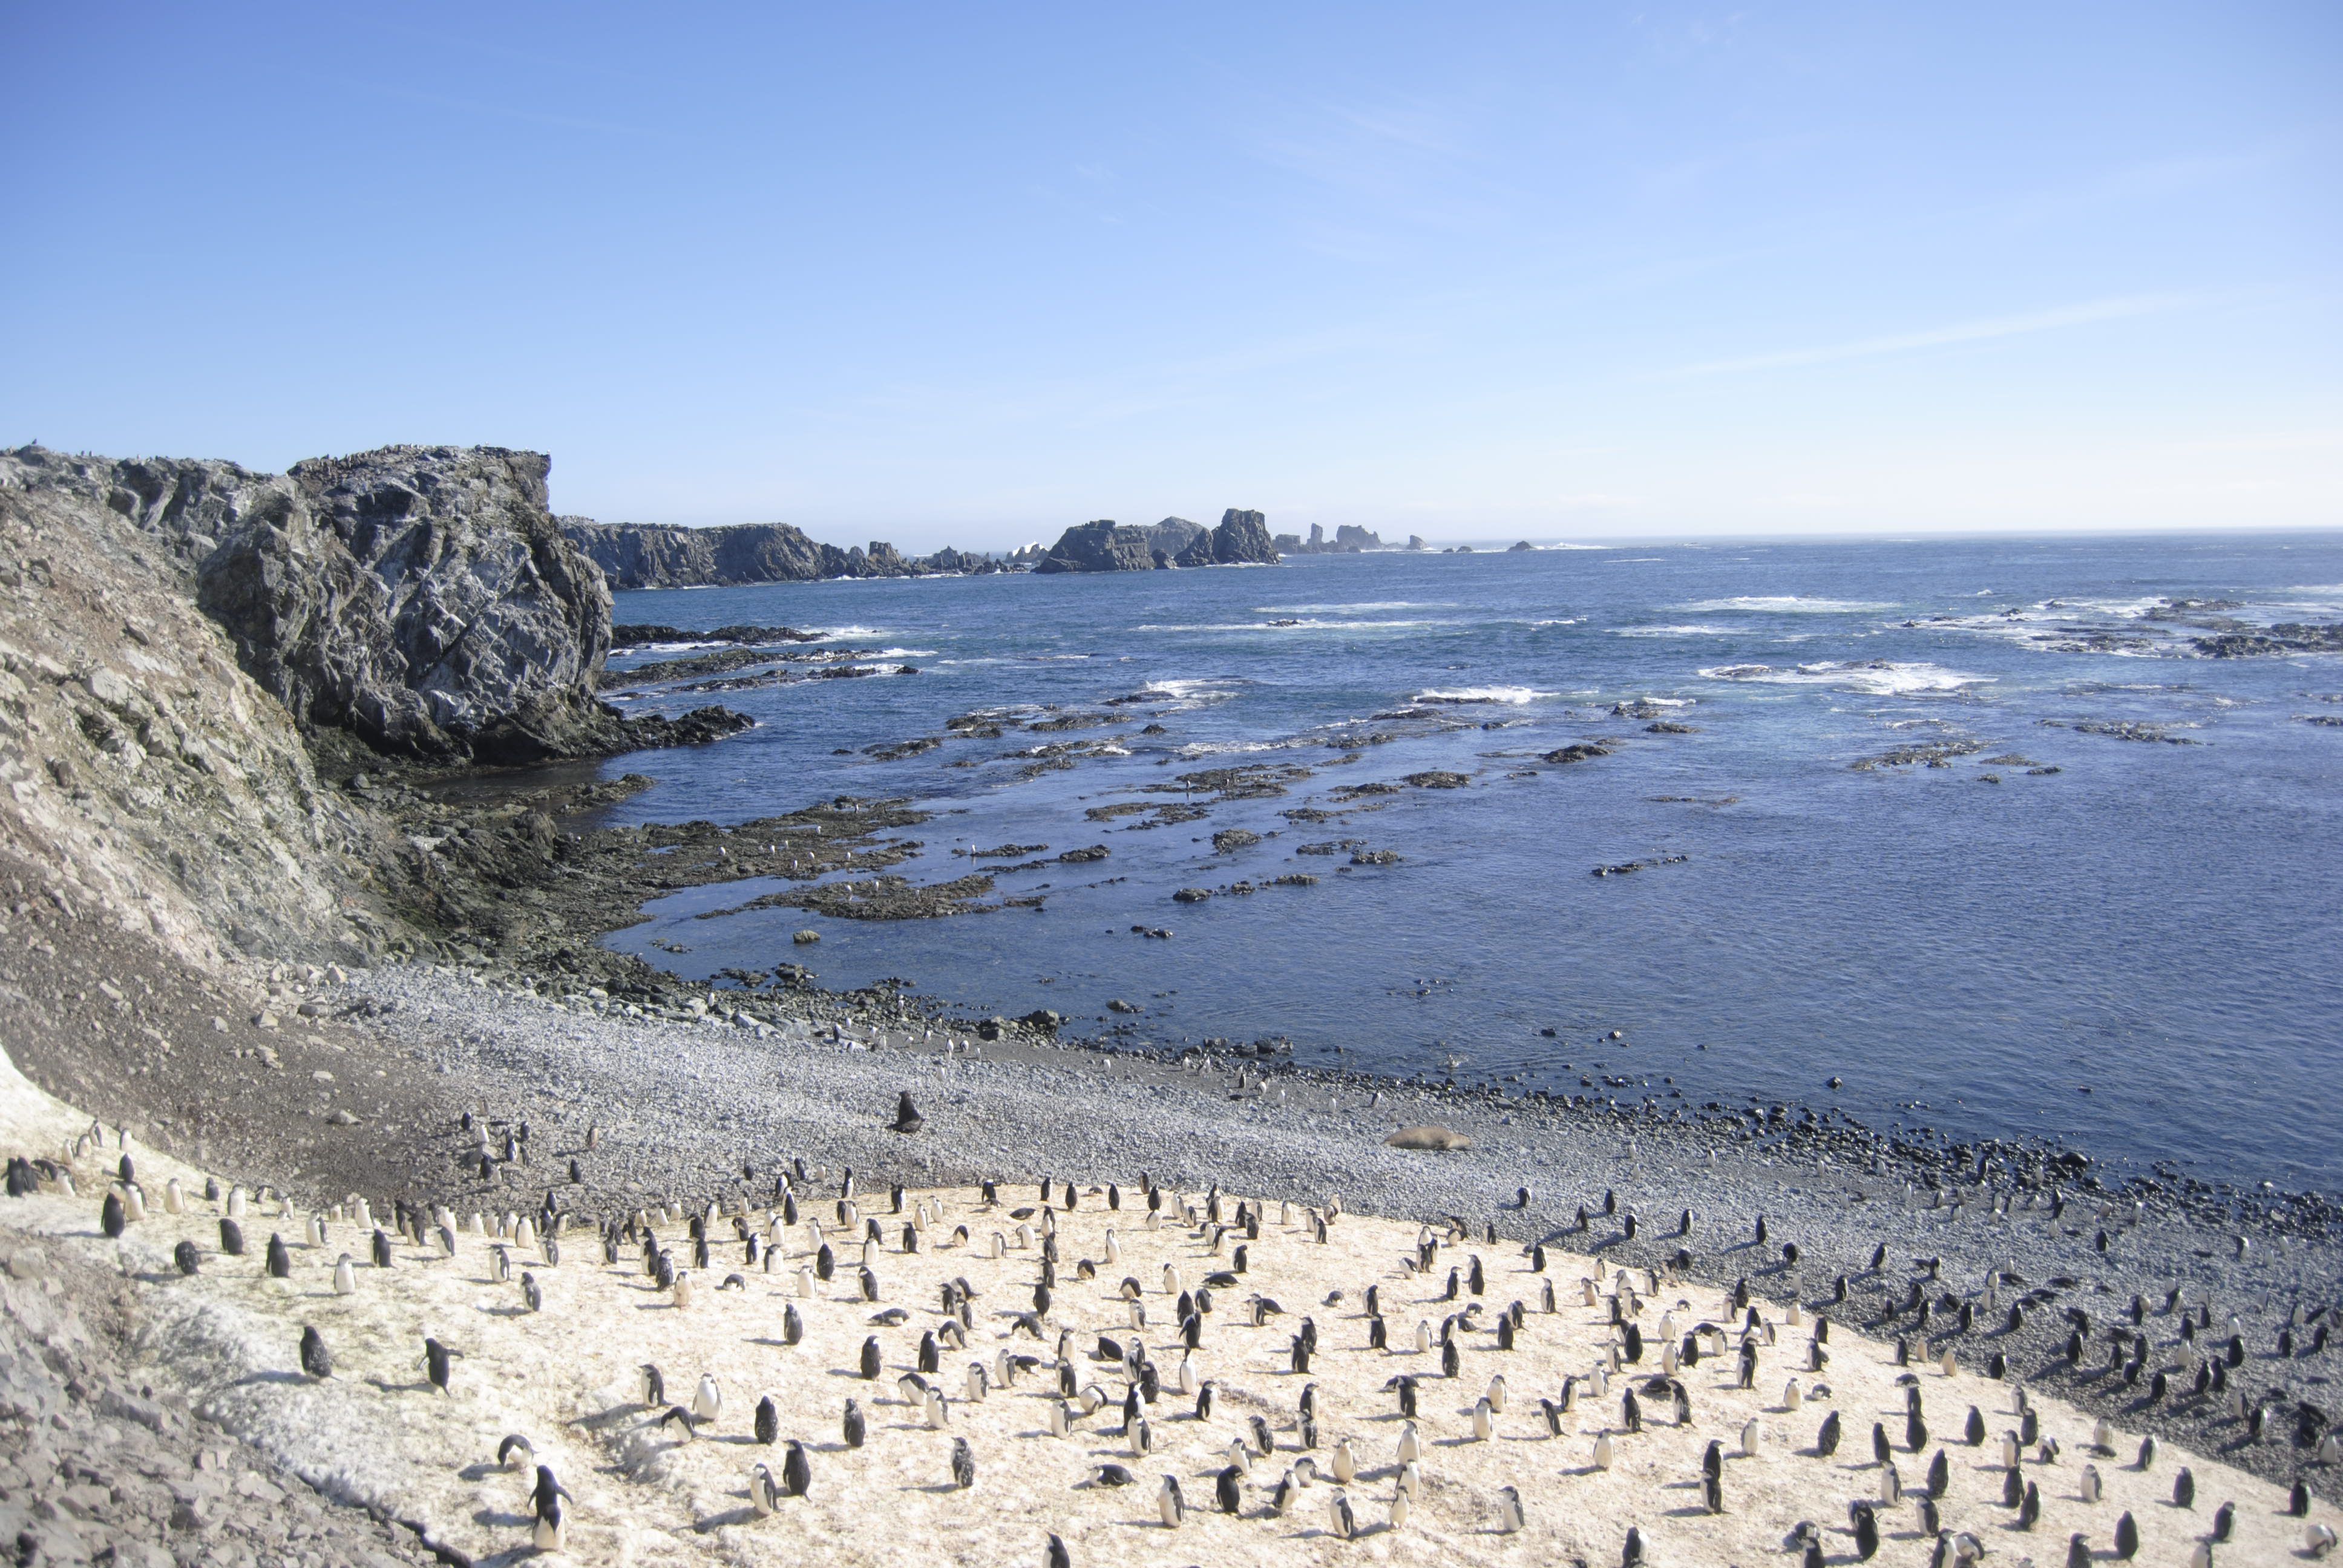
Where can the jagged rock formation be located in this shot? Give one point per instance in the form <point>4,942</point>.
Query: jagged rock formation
<point>642,556</point>
<point>453,619</point>
<point>1100,546</point>
<point>1243,537</point>
<point>421,598</point>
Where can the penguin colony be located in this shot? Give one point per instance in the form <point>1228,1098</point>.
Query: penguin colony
<point>1103,1373</point>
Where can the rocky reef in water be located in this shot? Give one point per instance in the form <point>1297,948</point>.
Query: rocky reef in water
<point>648,555</point>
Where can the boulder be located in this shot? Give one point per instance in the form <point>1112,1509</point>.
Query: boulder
<point>1243,537</point>
<point>1100,546</point>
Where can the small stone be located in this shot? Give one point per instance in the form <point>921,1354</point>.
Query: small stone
<point>340,1119</point>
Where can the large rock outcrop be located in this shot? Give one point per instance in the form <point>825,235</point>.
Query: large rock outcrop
<point>1243,538</point>
<point>643,555</point>
<point>1100,546</point>
<point>422,598</point>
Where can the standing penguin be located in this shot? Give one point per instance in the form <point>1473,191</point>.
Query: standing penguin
<point>315,1359</point>
<point>1509,1511</point>
<point>963,1465</point>
<point>769,1421</point>
<point>1168,1503</point>
<point>1228,1490</point>
<point>856,1428</point>
<point>797,1472</point>
<point>435,1359</point>
<point>1867,1533</point>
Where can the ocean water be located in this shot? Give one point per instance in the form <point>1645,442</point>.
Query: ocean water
<point>2114,917</point>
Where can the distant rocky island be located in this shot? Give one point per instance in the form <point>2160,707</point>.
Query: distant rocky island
<point>653,556</point>
<point>1105,546</point>
<point>1349,539</point>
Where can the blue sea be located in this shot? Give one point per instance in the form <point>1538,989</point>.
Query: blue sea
<point>2112,916</point>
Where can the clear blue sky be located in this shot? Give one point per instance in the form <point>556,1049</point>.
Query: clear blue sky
<point>968,273</point>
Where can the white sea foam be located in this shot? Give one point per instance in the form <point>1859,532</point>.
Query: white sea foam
<point>1235,748</point>
<point>1205,687</point>
<point>833,633</point>
<point>904,653</point>
<point>1299,625</point>
<point>1364,605</point>
<point>1873,677</point>
<point>1694,630</point>
<point>1785,603</point>
<point>1514,694</point>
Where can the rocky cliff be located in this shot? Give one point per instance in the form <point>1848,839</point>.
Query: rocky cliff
<point>642,556</point>
<point>422,598</point>
<point>1241,538</point>
<point>147,784</point>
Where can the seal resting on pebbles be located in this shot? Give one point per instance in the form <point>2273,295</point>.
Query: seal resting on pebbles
<point>1432,1138</point>
<point>907,1116</point>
